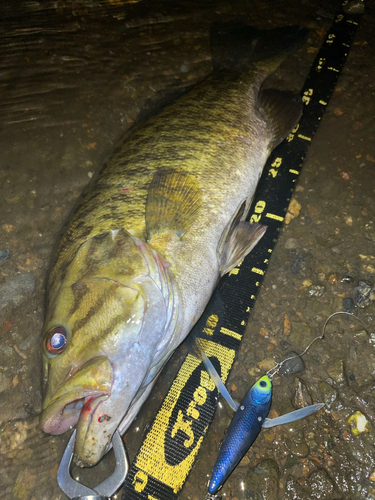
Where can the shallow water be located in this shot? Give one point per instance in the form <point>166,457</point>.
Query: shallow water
<point>74,77</point>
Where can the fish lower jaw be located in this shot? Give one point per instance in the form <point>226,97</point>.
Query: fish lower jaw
<point>66,416</point>
<point>89,447</point>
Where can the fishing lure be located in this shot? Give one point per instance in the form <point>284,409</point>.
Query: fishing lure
<point>250,416</point>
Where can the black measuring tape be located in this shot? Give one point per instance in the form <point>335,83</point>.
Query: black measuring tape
<point>170,448</point>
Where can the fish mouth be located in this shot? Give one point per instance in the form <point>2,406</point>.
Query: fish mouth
<point>78,396</point>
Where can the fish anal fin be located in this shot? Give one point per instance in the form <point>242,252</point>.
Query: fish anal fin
<point>241,240</point>
<point>173,201</point>
<point>282,111</point>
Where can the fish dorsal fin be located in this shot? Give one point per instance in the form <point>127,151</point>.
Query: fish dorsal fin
<point>237,241</point>
<point>282,111</point>
<point>173,201</point>
<point>292,416</point>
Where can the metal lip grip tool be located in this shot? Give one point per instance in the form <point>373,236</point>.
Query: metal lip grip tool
<point>77,491</point>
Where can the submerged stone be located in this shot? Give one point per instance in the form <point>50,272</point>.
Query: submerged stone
<point>321,484</point>
<point>262,482</point>
<point>329,394</point>
<point>5,382</point>
<point>300,334</point>
<point>298,449</point>
<point>348,304</point>
<point>317,290</point>
<point>336,371</point>
<point>364,294</point>
<point>302,396</point>
<point>291,244</point>
<point>16,290</point>
<point>293,365</point>
<point>4,256</point>
<point>355,7</point>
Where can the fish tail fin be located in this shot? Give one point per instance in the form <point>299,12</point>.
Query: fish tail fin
<point>239,46</point>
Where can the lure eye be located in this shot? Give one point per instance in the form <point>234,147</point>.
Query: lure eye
<point>263,383</point>
<point>56,340</point>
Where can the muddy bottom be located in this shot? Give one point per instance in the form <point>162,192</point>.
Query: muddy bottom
<point>74,76</point>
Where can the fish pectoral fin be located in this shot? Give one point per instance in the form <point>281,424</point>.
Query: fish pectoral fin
<point>240,242</point>
<point>282,111</point>
<point>231,226</point>
<point>292,416</point>
<point>173,202</point>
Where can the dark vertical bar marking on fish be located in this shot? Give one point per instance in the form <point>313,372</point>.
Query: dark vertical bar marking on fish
<point>169,450</point>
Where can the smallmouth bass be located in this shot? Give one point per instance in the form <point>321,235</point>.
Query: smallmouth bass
<point>148,243</point>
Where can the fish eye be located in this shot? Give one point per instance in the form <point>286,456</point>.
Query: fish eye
<point>263,383</point>
<point>56,340</point>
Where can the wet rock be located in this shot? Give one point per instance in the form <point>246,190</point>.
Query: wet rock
<point>291,244</point>
<point>348,304</point>
<point>224,424</point>
<point>329,241</point>
<point>358,364</point>
<point>336,371</point>
<point>293,210</point>
<point>291,461</point>
<point>25,484</point>
<point>245,462</point>
<point>364,294</point>
<point>361,335</point>
<point>4,256</point>
<point>16,290</point>
<point>293,365</point>
<point>297,449</point>
<point>321,485</point>
<point>312,444</point>
<point>267,364</point>
<point>300,334</point>
<point>302,396</point>
<point>324,13</point>
<point>293,490</point>
<point>299,263</point>
<point>12,435</point>
<point>5,382</point>
<point>28,342</point>
<point>370,232</point>
<point>354,7</point>
<point>7,355</point>
<point>328,393</point>
<point>262,482</point>
<point>317,290</point>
